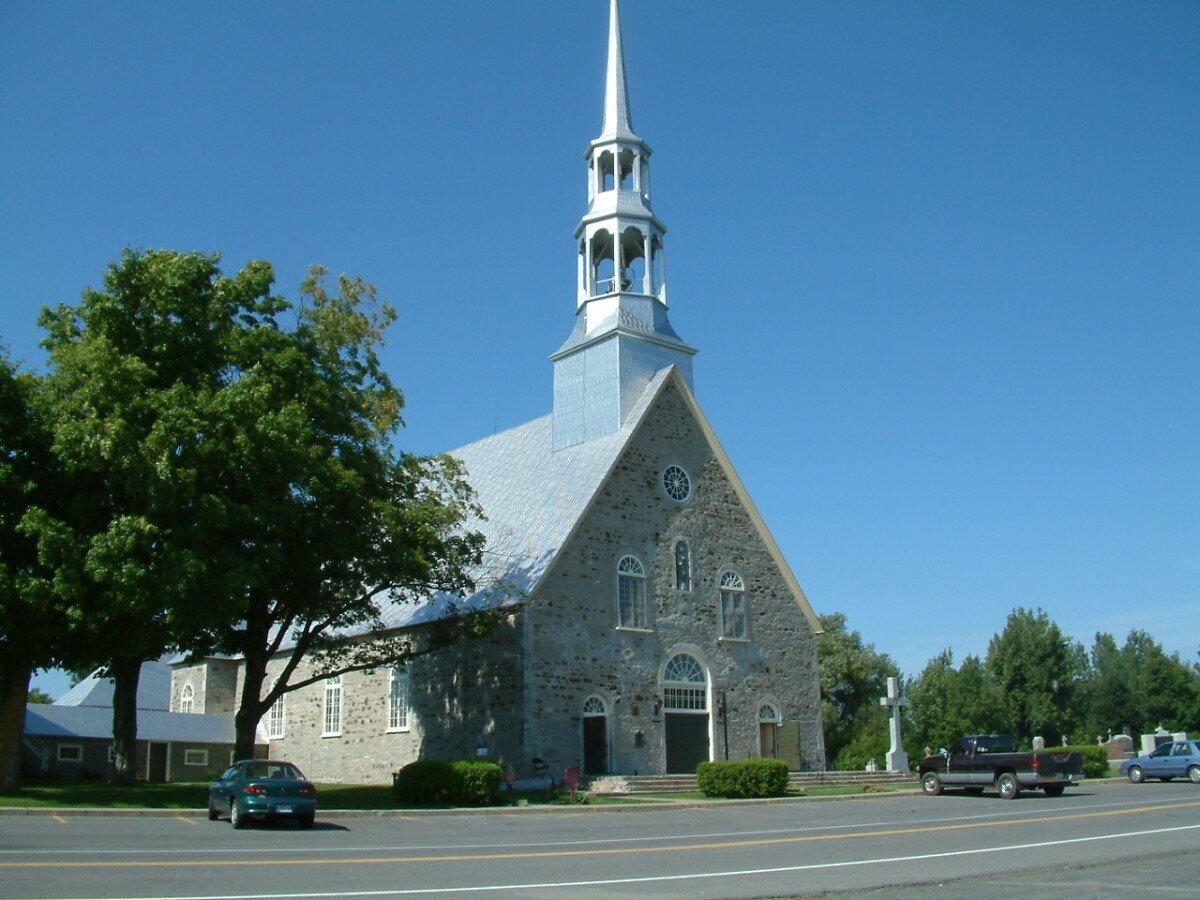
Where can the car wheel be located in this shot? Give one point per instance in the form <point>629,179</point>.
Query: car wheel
<point>1136,774</point>
<point>1194,774</point>
<point>1008,786</point>
<point>213,813</point>
<point>931,784</point>
<point>1054,790</point>
<point>236,819</point>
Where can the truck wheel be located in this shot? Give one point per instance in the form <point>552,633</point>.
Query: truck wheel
<point>931,784</point>
<point>1054,790</point>
<point>1008,786</point>
<point>1194,774</point>
<point>1136,775</point>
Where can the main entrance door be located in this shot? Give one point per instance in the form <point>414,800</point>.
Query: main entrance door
<point>595,737</point>
<point>157,764</point>
<point>685,714</point>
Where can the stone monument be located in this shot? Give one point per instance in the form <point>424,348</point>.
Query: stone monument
<point>897,759</point>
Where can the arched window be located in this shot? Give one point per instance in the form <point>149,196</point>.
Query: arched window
<point>683,566</point>
<point>603,265</point>
<point>627,158</point>
<point>187,699</point>
<point>685,689</point>
<point>332,718</point>
<point>631,593</point>
<point>276,716</point>
<point>734,618</point>
<point>607,171</point>
<point>768,713</point>
<point>398,699</point>
<point>593,706</point>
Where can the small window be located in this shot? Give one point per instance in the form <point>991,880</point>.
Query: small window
<point>683,566</point>
<point>332,719</point>
<point>187,699</point>
<point>676,483</point>
<point>195,757</point>
<point>733,607</point>
<point>593,706</point>
<point>631,593</point>
<point>70,752</point>
<point>277,717</point>
<point>398,699</point>
<point>768,713</point>
<point>112,753</point>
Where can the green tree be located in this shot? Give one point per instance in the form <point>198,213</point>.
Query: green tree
<point>32,620</point>
<point>133,367</point>
<point>37,695</point>
<point>322,521</point>
<point>948,702</point>
<point>853,679</point>
<point>1037,670</point>
<point>1110,689</point>
<point>1165,690</point>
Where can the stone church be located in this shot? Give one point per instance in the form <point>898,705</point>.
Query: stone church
<point>656,625</point>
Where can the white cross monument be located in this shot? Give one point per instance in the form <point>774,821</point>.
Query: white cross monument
<point>897,759</point>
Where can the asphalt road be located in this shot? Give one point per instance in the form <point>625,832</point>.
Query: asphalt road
<point>1090,842</point>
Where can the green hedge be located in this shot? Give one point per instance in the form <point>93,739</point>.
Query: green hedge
<point>743,778</point>
<point>459,782</point>
<point>1095,758</point>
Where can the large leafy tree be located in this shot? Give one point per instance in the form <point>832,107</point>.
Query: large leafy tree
<point>32,618</point>
<point>323,522</point>
<point>1038,671</point>
<point>853,679</point>
<point>948,702</point>
<point>1164,689</point>
<point>133,369</point>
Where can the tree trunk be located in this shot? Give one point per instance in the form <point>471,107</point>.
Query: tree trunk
<point>250,710</point>
<point>14,693</point>
<point>125,674</point>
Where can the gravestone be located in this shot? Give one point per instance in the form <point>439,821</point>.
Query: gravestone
<point>897,759</point>
<point>1179,736</point>
<point>1039,743</point>
<point>872,766</point>
<point>1120,746</point>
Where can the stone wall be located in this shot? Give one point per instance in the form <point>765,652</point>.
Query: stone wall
<point>461,697</point>
<point>575,649</point>
<point>193,675</point>
<point>215,684</point>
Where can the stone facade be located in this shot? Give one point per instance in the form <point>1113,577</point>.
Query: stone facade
<point>215,684</point>
<point>576,650</point>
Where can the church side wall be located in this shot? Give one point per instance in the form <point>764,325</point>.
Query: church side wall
<point>576,650</point>
<point>462,697</point>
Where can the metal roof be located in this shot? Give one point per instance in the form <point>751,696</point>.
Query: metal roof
<point>154,688</point>
<point>51,720</point>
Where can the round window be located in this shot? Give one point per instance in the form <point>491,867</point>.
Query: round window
<point>676,483</point>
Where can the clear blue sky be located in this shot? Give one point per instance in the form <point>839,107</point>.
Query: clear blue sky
<point>941,260</point>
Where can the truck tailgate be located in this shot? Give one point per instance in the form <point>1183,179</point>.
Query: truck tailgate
<point>1049,763</point>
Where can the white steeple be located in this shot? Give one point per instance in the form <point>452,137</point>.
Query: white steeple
<point>622,335</point>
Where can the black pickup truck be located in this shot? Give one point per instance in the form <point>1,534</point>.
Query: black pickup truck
<point>983,760</point>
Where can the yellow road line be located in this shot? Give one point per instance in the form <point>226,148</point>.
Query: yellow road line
<point>608,851</point>
<point>187,821</point>
<point>57,818</point>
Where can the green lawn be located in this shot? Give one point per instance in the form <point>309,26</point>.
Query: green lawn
<point>330,796</point>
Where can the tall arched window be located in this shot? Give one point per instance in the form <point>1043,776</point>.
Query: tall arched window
<point>631,593</point>
<point>683,566</point>
<point>734,617</point>
<point>187,699</point>
<point>333,707</point>
<point>398,699</point>
<point>276,716</point>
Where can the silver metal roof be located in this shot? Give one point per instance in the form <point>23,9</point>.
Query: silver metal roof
<point>154,688</point>
<point>54,721</point>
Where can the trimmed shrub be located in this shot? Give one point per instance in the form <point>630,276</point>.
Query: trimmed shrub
<point>460,782</point>
<point>1095,758</point>
<point>743,778</point>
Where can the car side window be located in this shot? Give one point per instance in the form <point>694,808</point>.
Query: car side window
<point>1182,749</point>
<point>229,774</point>
<point>1164,750</point>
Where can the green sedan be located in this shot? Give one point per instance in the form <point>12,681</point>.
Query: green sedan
<point>262,789</point>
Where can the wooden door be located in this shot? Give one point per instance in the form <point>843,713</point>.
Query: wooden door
<point>687,742</point>
<point>768,740</point>
<point>595,745</point>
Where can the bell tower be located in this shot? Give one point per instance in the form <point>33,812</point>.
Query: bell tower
<point>622,335</point>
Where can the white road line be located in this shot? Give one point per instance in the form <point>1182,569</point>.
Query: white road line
<point>1041,811</point>
<point>738,873</point>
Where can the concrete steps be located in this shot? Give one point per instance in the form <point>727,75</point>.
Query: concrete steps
<point>667,784</point>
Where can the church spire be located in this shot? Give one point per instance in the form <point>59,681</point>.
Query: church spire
<point>622,335</point>
<point>617,120</point>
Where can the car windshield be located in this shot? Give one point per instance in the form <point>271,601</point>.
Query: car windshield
<point>276,771</point>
